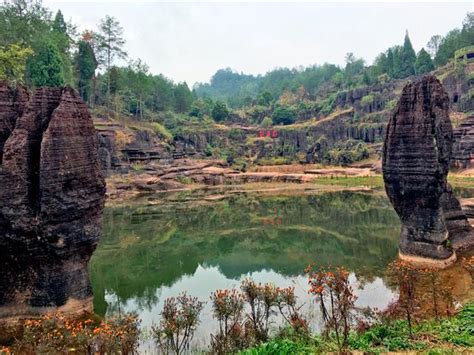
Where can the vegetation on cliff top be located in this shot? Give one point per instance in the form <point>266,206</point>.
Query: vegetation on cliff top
<point>53,53</point>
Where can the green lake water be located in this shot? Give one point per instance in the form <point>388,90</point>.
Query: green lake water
<point>151,252</point>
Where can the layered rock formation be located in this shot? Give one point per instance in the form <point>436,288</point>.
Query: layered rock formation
<point>463,147</point>
<point>416,158</point>
<point>12,104</point>
<point>51,200</point>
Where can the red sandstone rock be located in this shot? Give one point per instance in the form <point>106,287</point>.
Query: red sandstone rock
<point>12,103</point>
<point>415,165</point>
<point>51,200</point>
<point>463,147</point>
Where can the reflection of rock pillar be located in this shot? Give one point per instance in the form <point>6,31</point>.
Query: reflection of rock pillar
<point>51,201</point>
<point>415,165</point>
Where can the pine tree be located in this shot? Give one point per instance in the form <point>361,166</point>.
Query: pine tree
<point>45,67</point>
<point>59,25</point>
<point>390,63</point>
<point>86,65</point>
<point>424,63</point>
<point>59,36</point>
<point>407,58</point>
<point>182,98</point>
<point>111,44</point>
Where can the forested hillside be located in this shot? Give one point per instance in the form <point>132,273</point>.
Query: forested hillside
<point>397,62</point>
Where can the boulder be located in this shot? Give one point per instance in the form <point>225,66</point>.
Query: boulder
<point>51,201</point>
<point>415,163</point>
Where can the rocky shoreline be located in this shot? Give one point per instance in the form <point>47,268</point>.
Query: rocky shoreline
<point>191,174</point>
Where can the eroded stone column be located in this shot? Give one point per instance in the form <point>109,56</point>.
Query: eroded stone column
<point>51,201</point>
<point>416,159</point>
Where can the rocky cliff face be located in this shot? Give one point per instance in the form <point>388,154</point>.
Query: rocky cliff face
<point>51,200</point>
<point>459,85</point>
<point>463,147</point>
<point>380,93</point>
<point>305,140</point>
<point>416,159</point>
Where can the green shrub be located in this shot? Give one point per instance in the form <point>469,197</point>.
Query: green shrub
<point>185,180</point>
<point>284,115</point>
<point>220,112</point>
<point>236,133</point>
<point>279,347</point>
<point>274,161</point>
<point>267,122</point>
<point>208,151</point>
<point>346,153</point>
<point>327,106</point>
<point>391,104</point>
<point>367,100</point>
<point>459,330</point>
<point>138,167</point>
<point>161,131</point>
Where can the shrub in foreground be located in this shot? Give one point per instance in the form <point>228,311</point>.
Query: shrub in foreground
<point>55,333</point>
<point>179,320</point>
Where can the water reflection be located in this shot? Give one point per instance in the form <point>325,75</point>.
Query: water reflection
<point>207,279</point>
<point>149,253</point>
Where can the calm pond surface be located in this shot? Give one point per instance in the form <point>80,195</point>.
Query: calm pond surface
<point>149,253</point>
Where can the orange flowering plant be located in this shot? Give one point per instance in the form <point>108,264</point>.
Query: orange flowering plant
<point>405,276</point>
<point>416,285</point>
<point>227,306</point>
<point>289,310</point>
<point>266,300</point>
<point>179,319</point>
<point>56,333</point>
<point>336,298</point>
<point>261,300</point>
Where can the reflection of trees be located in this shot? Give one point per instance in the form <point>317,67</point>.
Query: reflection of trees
<point>144,248</point>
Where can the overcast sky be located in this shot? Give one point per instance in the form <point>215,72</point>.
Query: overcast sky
<point>190,41</point>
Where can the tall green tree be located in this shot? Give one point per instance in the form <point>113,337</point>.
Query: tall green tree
<point>433,45</point>
<point>264,98</point>
<point>449,44</point>
<point>85,64</point>
<point>424,63</point>
<point>23,22</point>
<point>354,67</point>
<point>182,98</point>
<point>111,44</point>
<point>59,25</point>
<point>162,94</point>
<point>407,59</point>
<point>139,82</point>
<point>60,36</point>
<point>390,65</point>
<point>45,67</point>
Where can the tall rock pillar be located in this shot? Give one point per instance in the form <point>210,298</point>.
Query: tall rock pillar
<point>416,159</point>
<point>51,201</point>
